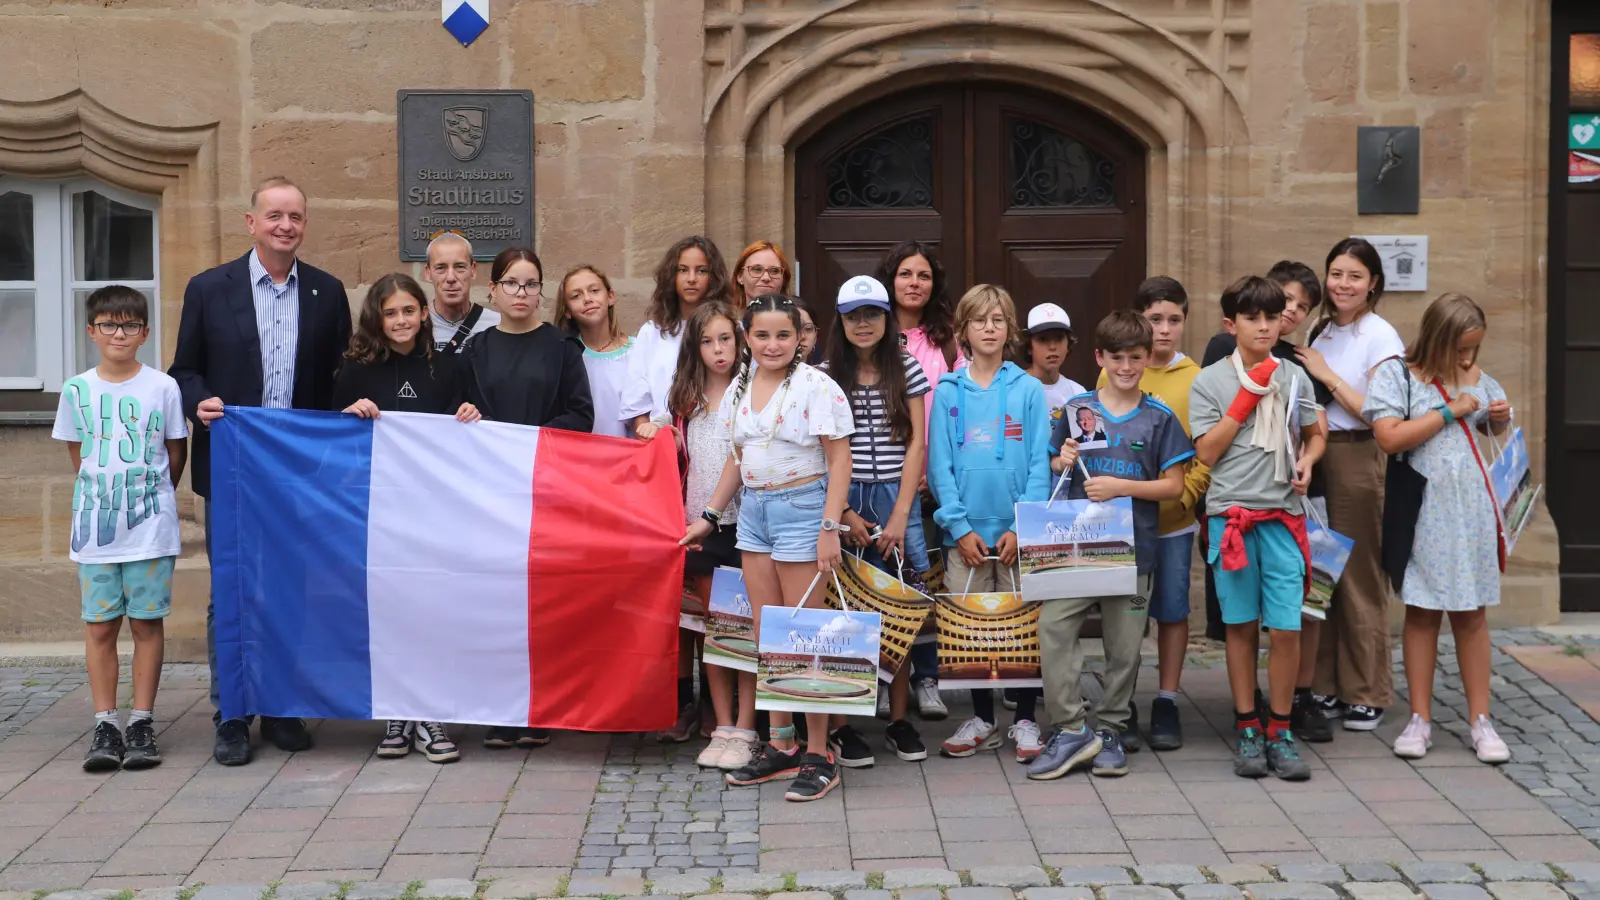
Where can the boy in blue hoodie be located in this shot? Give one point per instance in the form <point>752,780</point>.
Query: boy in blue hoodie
<point>988,447</point>
<point>1128,444</point>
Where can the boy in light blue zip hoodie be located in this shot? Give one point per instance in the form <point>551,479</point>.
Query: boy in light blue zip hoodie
<point>988,447</point>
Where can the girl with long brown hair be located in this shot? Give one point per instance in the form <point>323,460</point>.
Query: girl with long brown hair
<point>1429,405</point>
<point>586,307</point>
<point>690,273</point>
<point>1347,342</point>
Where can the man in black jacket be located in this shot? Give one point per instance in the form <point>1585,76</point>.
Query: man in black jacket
<point>262,330</point>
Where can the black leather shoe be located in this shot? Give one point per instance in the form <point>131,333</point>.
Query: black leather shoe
<point>288,735</point>
<point>233,743</point>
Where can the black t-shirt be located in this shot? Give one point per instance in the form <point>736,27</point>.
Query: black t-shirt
<point>533,378</point>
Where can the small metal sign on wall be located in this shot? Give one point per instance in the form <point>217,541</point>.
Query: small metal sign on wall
<point>466,165</point>
<point>1388,170</point>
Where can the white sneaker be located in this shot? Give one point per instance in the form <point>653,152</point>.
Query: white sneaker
<point>711,756</point>
<point>1413,743</point>
<point>740,750</point>
<point>434,742</point>
<point>974,734</point>
<point>929,704</point>
<point>883,702</point>
<point>1490,748</point>
<point>1026,736</point>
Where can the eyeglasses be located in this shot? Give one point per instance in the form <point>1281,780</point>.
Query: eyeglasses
<point>511,286</point>
<point>773,272</point>
<point>808,329</point>
<point>128,329</point>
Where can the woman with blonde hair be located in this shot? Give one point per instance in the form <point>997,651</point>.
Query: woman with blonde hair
<point>1427,405</point>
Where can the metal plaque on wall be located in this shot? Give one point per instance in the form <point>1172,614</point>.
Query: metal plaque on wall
<point>1388,170</point>
<point>466,165</point>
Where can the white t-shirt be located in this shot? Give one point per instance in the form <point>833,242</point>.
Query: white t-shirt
<point>608,374</point>
<point>124,508</point>
<point>1351,351</point>
<point>783,442</point>
<point>1056,396</point>
<point>651,364</point>
<point>444,329</point>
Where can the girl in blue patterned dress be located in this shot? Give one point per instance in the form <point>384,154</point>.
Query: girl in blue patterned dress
<point>1431,405</point>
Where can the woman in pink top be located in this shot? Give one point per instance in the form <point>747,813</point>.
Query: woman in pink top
<point>922,308</point>
<point>926,317</point>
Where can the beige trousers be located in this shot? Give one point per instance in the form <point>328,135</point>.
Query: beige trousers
<point>1061,655</point>
<point>1353,661</point>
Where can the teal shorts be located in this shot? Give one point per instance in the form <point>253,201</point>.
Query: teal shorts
<point>138,590</point>
<point>1272,588</point>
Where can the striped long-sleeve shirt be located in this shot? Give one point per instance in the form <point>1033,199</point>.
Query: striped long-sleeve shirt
<point>278,326</point>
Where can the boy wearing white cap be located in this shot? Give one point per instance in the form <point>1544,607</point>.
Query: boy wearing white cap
<point>1050,341</point>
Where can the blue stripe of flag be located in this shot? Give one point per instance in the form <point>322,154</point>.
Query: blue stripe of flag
<point>289,502</point>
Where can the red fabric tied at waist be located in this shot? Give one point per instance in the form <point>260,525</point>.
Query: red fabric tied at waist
<point>1241,520</point>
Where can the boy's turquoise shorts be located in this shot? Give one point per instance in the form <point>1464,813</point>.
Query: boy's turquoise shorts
<point>139,590</point>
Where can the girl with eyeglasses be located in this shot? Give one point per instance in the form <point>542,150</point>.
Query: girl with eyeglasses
<point>691,272</point>
<point>522,370</point>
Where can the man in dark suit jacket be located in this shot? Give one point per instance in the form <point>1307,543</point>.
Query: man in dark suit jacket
<point>262,330</point>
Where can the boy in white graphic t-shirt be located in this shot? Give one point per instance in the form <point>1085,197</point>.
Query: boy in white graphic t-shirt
<point>124,425</point>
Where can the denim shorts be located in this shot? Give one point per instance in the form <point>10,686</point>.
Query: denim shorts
<point>874,501</point>
<point>1271,587</point>
<point>138,590</point>
<point>1170,600</point>
<point>784,522</point>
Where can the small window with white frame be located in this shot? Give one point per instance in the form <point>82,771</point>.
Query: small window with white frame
<point>59,241</point>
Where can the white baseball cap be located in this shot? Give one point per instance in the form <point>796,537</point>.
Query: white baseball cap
<point>862,290</point>
<point>1048,316</point>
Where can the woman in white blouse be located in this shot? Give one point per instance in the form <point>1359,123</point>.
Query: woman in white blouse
<point>1348,341</point>
<point>692,271</point>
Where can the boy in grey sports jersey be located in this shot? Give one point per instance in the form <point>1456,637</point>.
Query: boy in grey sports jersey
<point>1138,450</point>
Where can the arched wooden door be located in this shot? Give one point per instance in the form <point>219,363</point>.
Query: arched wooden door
<point>1018,188</point>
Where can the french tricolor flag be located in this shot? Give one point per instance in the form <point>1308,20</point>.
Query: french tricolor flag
<point>414,567</point>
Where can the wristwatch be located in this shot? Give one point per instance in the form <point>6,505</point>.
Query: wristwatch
<point>830,525</point>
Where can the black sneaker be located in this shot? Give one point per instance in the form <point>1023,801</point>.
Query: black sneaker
<point>499,737</point>
<point>1283,758</point>
<point>1130,735</point>
<point>1250,755</point>
<point>142,752</point>
<point>533,737</point>
<point>817,776</point>
<point>903,739</point>
<point>769,764</point>
<point>1166,732</point>
<point>105,749</point>
<point>1308,720</point>
<point>288,735</point>
<point>396,739</point>
<point>1332,707</point>
<point>849,748</point>
<point>233,743</point>
<point>1362,718</point>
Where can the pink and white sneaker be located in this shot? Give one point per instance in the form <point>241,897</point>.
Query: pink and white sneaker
<point>1413,743</point>
<point>1490,748</point>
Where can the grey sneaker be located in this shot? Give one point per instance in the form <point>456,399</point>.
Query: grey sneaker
<point>1283,758</point>
<point>1250,755</point>
<point>1112,760</point>
<point>1064,751</point>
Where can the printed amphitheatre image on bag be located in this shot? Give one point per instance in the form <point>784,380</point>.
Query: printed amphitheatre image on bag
<point>730,623</point>
<point>903,609</point>
<point>987,640</point>
<point>818,660</point>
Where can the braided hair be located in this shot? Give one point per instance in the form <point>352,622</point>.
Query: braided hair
<point>766,303</point>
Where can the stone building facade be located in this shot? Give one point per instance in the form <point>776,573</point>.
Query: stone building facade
<point>655,118</point>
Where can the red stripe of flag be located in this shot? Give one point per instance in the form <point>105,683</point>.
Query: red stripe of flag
<point>605,575</point>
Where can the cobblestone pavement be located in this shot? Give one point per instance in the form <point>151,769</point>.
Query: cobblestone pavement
<point>25,692</point>
<point>629,810</point>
